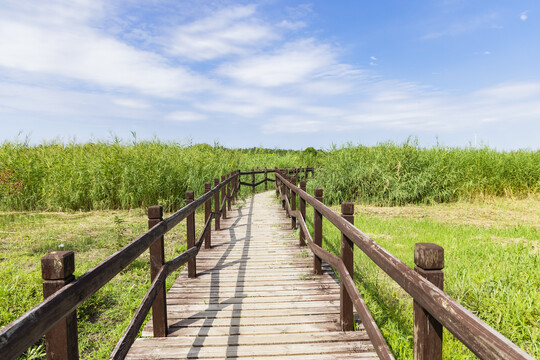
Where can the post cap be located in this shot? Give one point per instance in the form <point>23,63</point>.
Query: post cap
<point>155,212</point>
<point>58,265</point>
<point>303,185</point>
<point>347,208</point>
<point>318,192</point>
<point>207,186</point>
<point>216,181</point>
<point>189,195</point>
<point>429,256</point>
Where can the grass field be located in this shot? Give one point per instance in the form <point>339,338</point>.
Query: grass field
<point>492,266</point>
<point>26,236</point>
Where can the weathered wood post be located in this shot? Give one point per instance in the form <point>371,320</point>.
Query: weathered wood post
<point>157,259</point>
<point>207,214</point>
<point>283,193</point>
<point>237,184</point>
<point>265,179</point>
<point>216,205</point>
<point>57,271</point>
<point>253,180</point>
<point>317,232</point>
<point>429,260</point>
<point>229,192</point>
<point>293,205</point>
<point>190,236</point>
<point>223,196</point>
<point>347,256</point>
<point>303,212</point>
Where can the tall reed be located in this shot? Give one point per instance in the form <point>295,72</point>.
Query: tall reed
<point>107,175</point>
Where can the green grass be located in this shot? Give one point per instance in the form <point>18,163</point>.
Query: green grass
<point>26,236</point>
<point>399,174</point>
<point>125,175</point>
<point>492,270</point>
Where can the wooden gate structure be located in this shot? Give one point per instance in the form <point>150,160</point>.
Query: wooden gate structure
<point>55,317</point>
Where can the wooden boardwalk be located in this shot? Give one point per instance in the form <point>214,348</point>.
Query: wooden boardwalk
<point>254,298</point>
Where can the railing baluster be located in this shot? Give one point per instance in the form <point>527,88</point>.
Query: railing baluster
<point>57,271</point>
<point>223,196</point>
<point>190,236</point>
<point>157,259</point>
<point>229,192</point>
<point>317,232</point>
<point>429,260</point>
<point>217,204</point>
<point>303,212</point>
<point>293,204</point>
<point>347,256</point>
<point>207,214</point>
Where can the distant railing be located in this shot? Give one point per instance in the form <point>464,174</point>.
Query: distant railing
<point>433,308</point>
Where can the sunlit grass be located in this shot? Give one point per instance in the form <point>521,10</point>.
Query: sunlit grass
<point>25,237</point>
<point>491,270</point>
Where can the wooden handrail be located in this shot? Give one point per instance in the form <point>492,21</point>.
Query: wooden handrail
<point>484,341</point>
<point>374,333</point>
<point>20,334</point>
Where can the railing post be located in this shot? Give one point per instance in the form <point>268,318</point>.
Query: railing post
<point>190,236</point>
<point>317,232</point>
<point>347,256</point>
<point>303,212</point>
<point>276,183</point>
<point>223,195</point>
<point>216,205</point>
<point>265,179</point>
<point>207,214</point>
<point>253,180</point>
<point>229,192</point>
<point>429,260</point>
<point>283,193</point>
<point>237,185</point>
<point>57,271</point>
<point>293,205</point>
<point>157,259</point>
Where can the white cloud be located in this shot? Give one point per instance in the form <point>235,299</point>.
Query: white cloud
<point>132,103</point>
<point>292,64</point>
<point>292,25</point>
<point>79,52</point>
<point>293,124</point>
<point>372,58</point>
<point>228,31</point>
<point>487,52</point>
<point>524,16</point>
<point>185,116</point>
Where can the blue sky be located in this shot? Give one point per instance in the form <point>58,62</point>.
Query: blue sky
<point>272,73</point>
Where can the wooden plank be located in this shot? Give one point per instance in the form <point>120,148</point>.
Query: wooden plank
<point>157,351</point>
<point>260,339</point>
<point>254,297</point>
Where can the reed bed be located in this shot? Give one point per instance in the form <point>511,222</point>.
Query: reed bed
<point>120,175</point>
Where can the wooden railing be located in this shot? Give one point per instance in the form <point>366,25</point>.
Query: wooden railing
<point>433,308</point>
<point>56,317</point>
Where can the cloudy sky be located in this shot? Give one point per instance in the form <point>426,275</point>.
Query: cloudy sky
<point>273,73</point>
